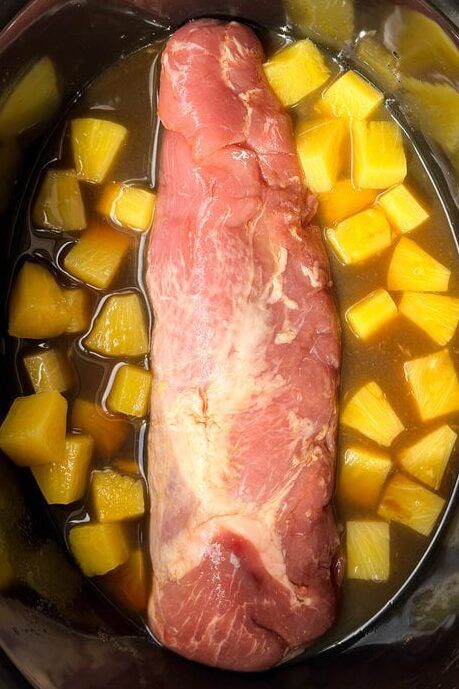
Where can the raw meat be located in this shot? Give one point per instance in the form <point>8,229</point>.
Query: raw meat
<point>245,356</point>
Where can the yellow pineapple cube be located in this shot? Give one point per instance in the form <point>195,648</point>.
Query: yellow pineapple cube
<point>404,211</point>
<point>382,63</point>
<point>408,503</point>
<point>296,71</point>
<point>128,206</point>
<point>319,146</point>
<point>434,384</point>
<point>361,236</point>
<point>368,550</point>
<point>33,431</point>
<point>96,257</point>
<point>49,369</point>
<point>108,434</point>
<point>99,548</point>
<point>38,308</point>
<point>342,201</point>
<point>79,303</point>
<point>120,329</point>
<point>427,458</point>
<point>115,497</point>
<point>32,101</point>
<point>65,482</point>
<point>130,391</point>
<point>124,465</point>
<point>129,583</point>
<point>362,474</point>
<point>434,108</point>
<point>369,412</point>
<point>371,313</point>
<point>331,20</point>
<point>59,204</point>
<point>378,156</point>
<point>350,96</point>
<point>436,314</point>
<point>412,269</point>
<point>96,144</point>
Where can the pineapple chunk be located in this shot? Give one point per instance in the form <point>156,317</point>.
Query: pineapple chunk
<point>412,269</point>
<point>368,550</point>
<point>59,204</point>
<point>99,548</point>
<point>79,303</point>
<point>65,482</point>
<point>95,144</point>
<point>382,63</point>
<point>427,458</point>
<point>124,465</point>
<point>33,431</point>
<point>96,258</point>
<point>120,329</point>
<point>115,497</point>
<point>49,369</point>
<point>350,96</point>
<point>32,101</point>
<point>362,475</point>
<point>128,206</point>
<point>434,384</point>
<point>408,503</point>
<point>361,236</point>
<point>38,308</point>
<point>130,392</point>
<point>108,434</point>
<point>128,583</point>
<point>369,412</point>
<point>343,201</point>
<point>378,156</point>
<point>371,314</point>
<point>436,314</point>
<point>405,213</point>
<point>319,146</point>
<point>332,20</point>
<point>296,71</point>
<point>434,108</point>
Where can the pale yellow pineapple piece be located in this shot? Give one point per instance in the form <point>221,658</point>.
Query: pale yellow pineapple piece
<point>95,144</point>
<point>350,96</point>
<point>296,71</point>
<point>79,303</point>
<point>319,146</point>
<point>404,211</point>
<point>116,497</point>
<point>32,101</point>
<point>128,206</point>
<point>427,458</point>
<point>412,269</point>
<point>130,391</point>
<point>120,329</point>
<point>361,236</point>
<point>371,313</point>
<point>434,384</point>
<point>99,548</point>
<point>436,314</point>
<point>96,257</point>
<point>382,63</point>
<point>378,155</point>
<point>362,474</point>
<point>331,20</point>
<point>49,369</point>
<point>434,108</point>
<point>59,204</point>
<point>343,201</point>
<point>368,550</point>
<point>33,431</point>
<point>369,412</point>
<point>65,482</point>
<point>38,308</point>
<point>408,503</point>
<point>108,434</point>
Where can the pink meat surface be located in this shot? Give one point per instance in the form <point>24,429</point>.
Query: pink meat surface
<point>245,356</point>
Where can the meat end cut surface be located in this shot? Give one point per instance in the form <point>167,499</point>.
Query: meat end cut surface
<point>245,358</point>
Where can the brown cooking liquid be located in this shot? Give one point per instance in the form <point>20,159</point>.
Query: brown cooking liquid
<point>126,92</point>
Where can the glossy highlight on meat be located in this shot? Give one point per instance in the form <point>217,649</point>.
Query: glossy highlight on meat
<point>245,354</point>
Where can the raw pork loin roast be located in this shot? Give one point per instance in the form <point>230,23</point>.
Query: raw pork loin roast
<point>245,356</point>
